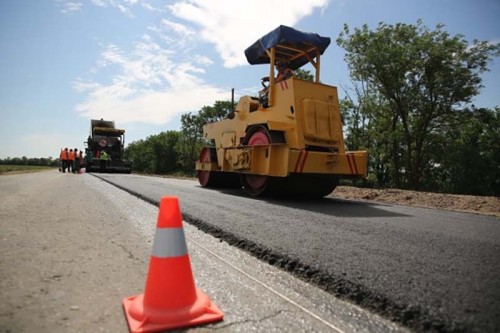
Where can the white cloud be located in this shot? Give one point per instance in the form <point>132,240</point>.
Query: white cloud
<point>101,3</point>
<point>231,26</point>
<point>154,82</point>
<point>151,85</point>
<point>81,87</point>
<point>122,5</point>
<point>123,9</point>
<point>149,106</point>
<point>112,55</point>
<point>202,60</point>
<point>178,28</point>
<point>70,7</point>
<point>178,36</point>
<point>150,7</point>
<point>125,6</point>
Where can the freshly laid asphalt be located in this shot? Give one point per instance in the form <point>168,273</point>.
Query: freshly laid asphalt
<point>426,269</point>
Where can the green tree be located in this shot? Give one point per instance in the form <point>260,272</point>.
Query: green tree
<point>192,131</point>
<point>139,153</point>
<point>369,125</point>
<point>165,155</point>
<point>156,154</point>
<point>219,111</point>
<point>188,145</point>
<point>304,74</point>
<point>174,151</point>
<point>424,75</point>
<point>466,158</point>
<point>43,161</point>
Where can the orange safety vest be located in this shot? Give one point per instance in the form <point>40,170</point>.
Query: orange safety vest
<point>64,155</point>
<point>71,155</point>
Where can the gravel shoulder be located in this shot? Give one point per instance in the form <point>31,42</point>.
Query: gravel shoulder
<point>63,249</point>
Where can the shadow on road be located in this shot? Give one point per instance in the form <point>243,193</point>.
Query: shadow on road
<point>329,206</point>
<point>341,207</point>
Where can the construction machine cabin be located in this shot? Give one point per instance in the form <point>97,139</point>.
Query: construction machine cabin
<point>105,137</point>
<point>287,141</point>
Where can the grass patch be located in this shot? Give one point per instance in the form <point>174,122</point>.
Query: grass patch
<point>11,169</point>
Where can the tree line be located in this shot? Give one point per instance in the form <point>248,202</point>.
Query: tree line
<point>175,152</point>
<point>30,161</point>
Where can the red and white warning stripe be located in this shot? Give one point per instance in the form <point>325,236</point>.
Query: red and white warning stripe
<point>301,161</point>
<point>352,164</point>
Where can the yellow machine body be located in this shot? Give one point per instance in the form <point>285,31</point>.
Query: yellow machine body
<point>307,114</point>
<point>302,122</point>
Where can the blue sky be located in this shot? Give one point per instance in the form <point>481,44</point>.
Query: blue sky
<point>143,63</point>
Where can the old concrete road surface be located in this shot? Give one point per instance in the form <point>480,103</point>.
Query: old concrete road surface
<point>426,269</point>
<point>72,247</point>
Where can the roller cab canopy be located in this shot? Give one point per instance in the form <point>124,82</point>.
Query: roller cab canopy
<point>108,131</point>
<point>104,127</point>
<point>285,44</point>
<point>101,123</point>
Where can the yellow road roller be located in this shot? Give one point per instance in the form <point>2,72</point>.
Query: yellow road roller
<point>287,141</point>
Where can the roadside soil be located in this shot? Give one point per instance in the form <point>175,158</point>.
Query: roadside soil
<point>464,203</point>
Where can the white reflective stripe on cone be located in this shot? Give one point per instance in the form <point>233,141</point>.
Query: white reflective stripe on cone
<point>169,242</point>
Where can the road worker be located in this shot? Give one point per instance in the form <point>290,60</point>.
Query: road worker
<point>76,164</point>
<point>81,160</point>
<point>284,73</point>
<point>71,158</point>
<point>104,159</point>
<point>63,156</point>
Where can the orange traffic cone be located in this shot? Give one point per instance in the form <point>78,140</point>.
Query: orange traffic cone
<point>170,298</point>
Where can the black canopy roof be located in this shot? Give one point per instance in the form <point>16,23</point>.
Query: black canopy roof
<point>291,46</point>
